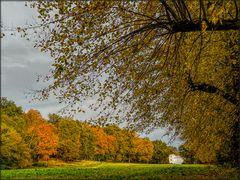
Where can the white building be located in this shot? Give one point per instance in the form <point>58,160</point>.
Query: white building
<point>173,159</point>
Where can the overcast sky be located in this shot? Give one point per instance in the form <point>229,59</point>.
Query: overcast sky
<point>21,64</point>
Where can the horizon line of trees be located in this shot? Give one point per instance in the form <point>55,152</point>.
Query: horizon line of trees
<point>27,138</point>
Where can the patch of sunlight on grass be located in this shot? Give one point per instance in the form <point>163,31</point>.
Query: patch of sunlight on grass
<point>83,163</point>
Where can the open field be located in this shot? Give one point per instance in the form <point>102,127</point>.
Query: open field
<point>105,170</point>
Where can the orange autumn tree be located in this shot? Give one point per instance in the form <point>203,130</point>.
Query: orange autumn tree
<point>104,143</point>
<point>33,121</point>
<point>40,136</point>
<point>143,149</point>
<point>48,141</point>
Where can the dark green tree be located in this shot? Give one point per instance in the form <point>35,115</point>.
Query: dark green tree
<point>10,108</point>
<point>161,152</point>
<point>188,155</point>
<point>54,118</point>
<point>69,140</point>
<point>87,142</point>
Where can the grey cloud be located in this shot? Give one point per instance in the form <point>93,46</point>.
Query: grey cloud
<point>16,14</point>
<point>21,63</point>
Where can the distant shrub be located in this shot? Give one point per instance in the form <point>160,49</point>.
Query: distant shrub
<point>3,166</point>
<point>40,164</point>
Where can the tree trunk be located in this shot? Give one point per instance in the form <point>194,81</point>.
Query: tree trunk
<point>236,127</point>
<point>235,149</point>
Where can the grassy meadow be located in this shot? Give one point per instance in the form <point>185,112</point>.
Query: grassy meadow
<point>107,170</point>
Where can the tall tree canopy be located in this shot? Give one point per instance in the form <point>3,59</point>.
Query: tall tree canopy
<point>14,151</point>
<point>10,108</point>
<point>69,140</point>
<point>154,62</point>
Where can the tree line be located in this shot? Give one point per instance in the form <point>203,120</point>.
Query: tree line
<point>28,138</point>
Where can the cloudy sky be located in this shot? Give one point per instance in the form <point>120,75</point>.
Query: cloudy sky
<point>21,64</point>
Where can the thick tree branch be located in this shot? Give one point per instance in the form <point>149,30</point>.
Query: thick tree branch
<point>190,26</point>
<point>212,89</point>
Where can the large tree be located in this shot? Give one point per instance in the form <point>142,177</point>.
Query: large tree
<point>69,140</point>
<point>161,152</point>
<point>10,108</point>
<point>157,63</point>
<point>14,151</point>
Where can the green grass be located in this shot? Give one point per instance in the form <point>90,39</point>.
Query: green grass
<point>104,170</point>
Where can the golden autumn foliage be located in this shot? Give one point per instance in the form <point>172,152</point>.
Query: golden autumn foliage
<point>69,140</point>
<point>14,151</point>
<point>152,63</point>
<point>155,63</point>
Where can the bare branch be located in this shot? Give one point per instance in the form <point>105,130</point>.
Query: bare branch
<point>169,9</point>
<point>202,8</point>
<point>236,7</point>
